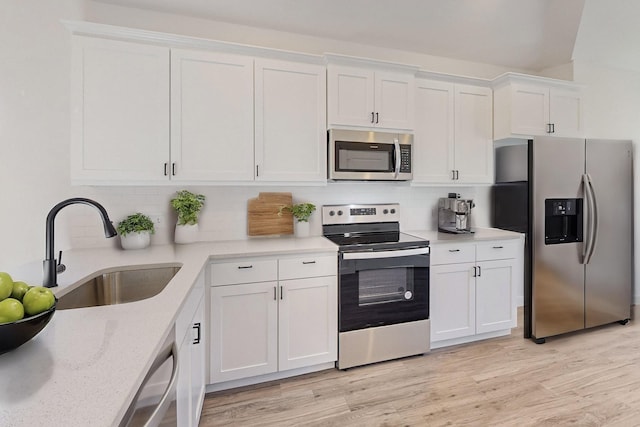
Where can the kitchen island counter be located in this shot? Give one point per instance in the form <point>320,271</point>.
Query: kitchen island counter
<point>85,367</point>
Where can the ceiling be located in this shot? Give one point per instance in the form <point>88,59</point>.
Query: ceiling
<point>519,34</point>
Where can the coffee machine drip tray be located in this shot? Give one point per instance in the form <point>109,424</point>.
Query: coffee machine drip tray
<point>455,231</point>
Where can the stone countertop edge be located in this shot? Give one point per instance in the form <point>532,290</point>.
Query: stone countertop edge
<point>480,234</point>
<point>85,367</point>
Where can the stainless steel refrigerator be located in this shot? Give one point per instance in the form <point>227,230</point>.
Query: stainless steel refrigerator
<point>574,200</point>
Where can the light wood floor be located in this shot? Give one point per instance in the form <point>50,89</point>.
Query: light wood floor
<point>590,378</point>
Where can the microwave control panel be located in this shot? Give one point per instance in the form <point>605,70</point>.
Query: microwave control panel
<point>405,158</point>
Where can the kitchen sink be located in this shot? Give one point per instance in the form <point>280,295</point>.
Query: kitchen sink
<point>119,287</point>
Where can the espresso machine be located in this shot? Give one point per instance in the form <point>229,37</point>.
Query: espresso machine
<point>454,214</point>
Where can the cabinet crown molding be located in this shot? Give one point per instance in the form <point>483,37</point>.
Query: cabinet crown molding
<point>169,40</point>
<point>339,59</point>
<point>453,78</point>
<point>508,78</point>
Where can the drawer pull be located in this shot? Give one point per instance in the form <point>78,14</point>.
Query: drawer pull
<point>197,327</point>
<point>454,250</point>
<point>244,267</point>
<point>308,262</point>
<point>498,247</point>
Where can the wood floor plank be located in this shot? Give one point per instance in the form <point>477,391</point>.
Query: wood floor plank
<point>590,378</point>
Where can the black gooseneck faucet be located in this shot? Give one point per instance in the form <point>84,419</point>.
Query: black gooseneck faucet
<point>49,265</point>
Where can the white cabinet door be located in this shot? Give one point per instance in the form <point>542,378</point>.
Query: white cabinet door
<point>366,98</point>
<point>120,111</point>
<point>529,109</point>
<point>197,364</point>
<point>183,387</point>
<point>433,158</point>
<point>452,301</point>
<point>473,134</point>
<point>244,328</point>
<point>495,300</point>
<point>308,322</point>
<point>565,112</point>
<point>350,96</point>
<point>290,121</point>
<point>394,98</point>
<point>211,116</point>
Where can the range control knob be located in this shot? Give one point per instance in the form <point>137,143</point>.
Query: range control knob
<point>332,213</point>
<point>393,211</point>
<point>386,211</point>
<point>339,213</point>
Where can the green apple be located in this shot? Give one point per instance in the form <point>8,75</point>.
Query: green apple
<point>19,289</point>
<point>37,300</point>
<point>10,310</point>
<point>6,285</point>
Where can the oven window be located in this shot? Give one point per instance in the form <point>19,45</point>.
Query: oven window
<point>385,285</point>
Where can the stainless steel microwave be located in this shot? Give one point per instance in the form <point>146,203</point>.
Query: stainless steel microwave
<point>369,156</point>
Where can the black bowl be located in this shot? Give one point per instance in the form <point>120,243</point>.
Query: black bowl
<point>14,334</point>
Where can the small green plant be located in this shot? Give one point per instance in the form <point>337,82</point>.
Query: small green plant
<point>301,211</point>
<point>135,223</point>
<point>188,206</point>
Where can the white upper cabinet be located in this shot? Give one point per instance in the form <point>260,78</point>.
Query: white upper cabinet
<point>120,111</point>
<point>290,121</point>
<point>453,133</point>
<point>211,116</point>
<point>526,106</point>
<point>370,98</point>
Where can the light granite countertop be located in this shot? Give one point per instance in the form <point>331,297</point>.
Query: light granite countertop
<point>480,234</point>
<point>84,368</point>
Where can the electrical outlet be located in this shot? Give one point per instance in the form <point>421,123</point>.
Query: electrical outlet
<point>156,218</point>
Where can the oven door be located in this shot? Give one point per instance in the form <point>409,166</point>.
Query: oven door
<point>383,288</point>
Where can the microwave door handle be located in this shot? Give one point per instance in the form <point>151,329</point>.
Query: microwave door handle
<point>397,156</point>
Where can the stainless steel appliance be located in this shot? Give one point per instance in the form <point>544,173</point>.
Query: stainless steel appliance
<point>454,214</point>
<point>574,199</point>
<point>383,284</point>
<point>369,156</point>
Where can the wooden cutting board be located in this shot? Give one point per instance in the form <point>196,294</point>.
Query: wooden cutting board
<point>262,215</point>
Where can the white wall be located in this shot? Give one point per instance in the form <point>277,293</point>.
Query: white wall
<point>34,121</point>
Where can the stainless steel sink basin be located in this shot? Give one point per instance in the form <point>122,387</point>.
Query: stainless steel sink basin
<point>119,287</point>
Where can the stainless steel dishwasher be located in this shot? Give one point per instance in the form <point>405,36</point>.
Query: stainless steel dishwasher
<point>155,401</point>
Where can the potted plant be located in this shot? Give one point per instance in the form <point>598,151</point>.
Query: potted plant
<point>188,206</point>
<point>135,231</point>
<point>301,212</point>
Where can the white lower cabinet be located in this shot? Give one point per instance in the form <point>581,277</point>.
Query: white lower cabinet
<point>190,333</point>
<point>473,290</point>
<point>286,319</point>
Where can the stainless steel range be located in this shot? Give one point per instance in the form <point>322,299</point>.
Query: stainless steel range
<point>383,284</point>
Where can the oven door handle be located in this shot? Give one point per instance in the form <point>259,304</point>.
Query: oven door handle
<point>385,254</point>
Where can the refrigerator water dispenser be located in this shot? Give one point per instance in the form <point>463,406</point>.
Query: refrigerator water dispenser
<point>563,221</point>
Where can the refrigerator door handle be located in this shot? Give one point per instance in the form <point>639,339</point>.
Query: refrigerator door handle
<point>592,219</point>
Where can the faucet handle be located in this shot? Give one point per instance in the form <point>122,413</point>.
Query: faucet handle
<point>60,267</point>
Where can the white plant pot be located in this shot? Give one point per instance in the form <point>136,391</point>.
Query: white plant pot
<point>302,229</point>
<point>136,240</point>
<point>186,233</point>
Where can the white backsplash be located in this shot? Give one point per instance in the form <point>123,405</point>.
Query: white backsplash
<point>224,216</point>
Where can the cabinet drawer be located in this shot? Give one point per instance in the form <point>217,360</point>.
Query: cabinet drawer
<point>310,266</point>
<point>502,249</point>
<point>244,271</point>
<point>453,253</point>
